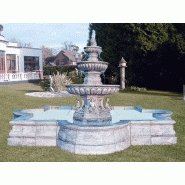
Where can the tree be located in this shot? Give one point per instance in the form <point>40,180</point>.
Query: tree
<point>154,52</point>
<point>21,44</point>
<point>46,53</point>
<point>66,45</point>
<point>69,46</point>
<point>75,48</point>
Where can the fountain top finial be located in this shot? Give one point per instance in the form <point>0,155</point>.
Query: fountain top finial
<point>93,40</point>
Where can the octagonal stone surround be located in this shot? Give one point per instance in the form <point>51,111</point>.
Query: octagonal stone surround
<point>91,140</point>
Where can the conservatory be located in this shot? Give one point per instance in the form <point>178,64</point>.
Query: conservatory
<point>19,63</point>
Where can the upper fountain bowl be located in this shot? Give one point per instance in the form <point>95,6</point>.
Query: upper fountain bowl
<point>93,49</point>
<point>92,66</point>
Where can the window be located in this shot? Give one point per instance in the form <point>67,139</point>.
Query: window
<point>11,62</point>
<point>18,63</point>
<point>31,63</point>
<point>2,60</point>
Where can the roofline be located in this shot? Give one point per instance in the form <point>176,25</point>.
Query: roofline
<point>23,47</point>
<point>3,40</point>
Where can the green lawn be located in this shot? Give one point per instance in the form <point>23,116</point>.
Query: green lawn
<point>12,97</point>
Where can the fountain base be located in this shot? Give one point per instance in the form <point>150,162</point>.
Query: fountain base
<point>93,140</point>
<point>92,112</point>
<point>99,118</point>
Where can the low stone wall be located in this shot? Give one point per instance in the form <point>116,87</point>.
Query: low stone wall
<point>20,82</point>
<point>26,132</point>
<point>91,140</point>
<point>159,133</point>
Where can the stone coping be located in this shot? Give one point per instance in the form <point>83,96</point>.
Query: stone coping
<point>141,109</point>
<point>22,117</point>
<point>68,125</point>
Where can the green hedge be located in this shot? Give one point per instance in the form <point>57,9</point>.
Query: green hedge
<point>45,84</point>
<point>50,70</point>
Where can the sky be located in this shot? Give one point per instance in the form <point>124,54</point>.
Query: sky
<point>34,28</point>
<point>51,35</point>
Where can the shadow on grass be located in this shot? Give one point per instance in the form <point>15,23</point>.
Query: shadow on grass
<point>157,93</point>
<point>35,83</point>
<point>29,91</point>
<point>178,99</point>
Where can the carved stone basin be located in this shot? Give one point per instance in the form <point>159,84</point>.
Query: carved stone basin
<point>86,89</point>
<point>93,48</point>
<point>92,66</point>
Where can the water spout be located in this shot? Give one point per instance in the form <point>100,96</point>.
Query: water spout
<point>93,34</point>
<point>103,75</point>
<point>93,40</point>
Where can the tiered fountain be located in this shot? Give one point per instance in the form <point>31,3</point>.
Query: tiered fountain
<point>92,130</point>
<point>92,112</point>
<point>92,127</point>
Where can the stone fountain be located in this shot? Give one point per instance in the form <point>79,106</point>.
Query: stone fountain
<point>91,127</point>
<point>92,112</point>
<point>92,120</point>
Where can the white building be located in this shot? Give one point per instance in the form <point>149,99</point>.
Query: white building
<point>19,63</point>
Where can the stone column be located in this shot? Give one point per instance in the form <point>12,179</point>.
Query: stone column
<point>15,64</point>
<point>5,64</point>
<point>51,82</point>
<point>122,65</point>
<point>184,92</point>
<point>41,75</point>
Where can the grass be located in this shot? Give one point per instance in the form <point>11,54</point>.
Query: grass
<point>13,97</point>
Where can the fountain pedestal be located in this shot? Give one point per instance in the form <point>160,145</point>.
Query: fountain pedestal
<point>92,111</point>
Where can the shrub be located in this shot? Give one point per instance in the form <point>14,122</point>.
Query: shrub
<point>61,69</point>
<point>113,79</point>
<point>76,77</point>
<point>78,80</point>
<point>72,74</point>
<point>134,88</point>
<point>45,84</point>
<point>60,81</point>
<point>70,78</point>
